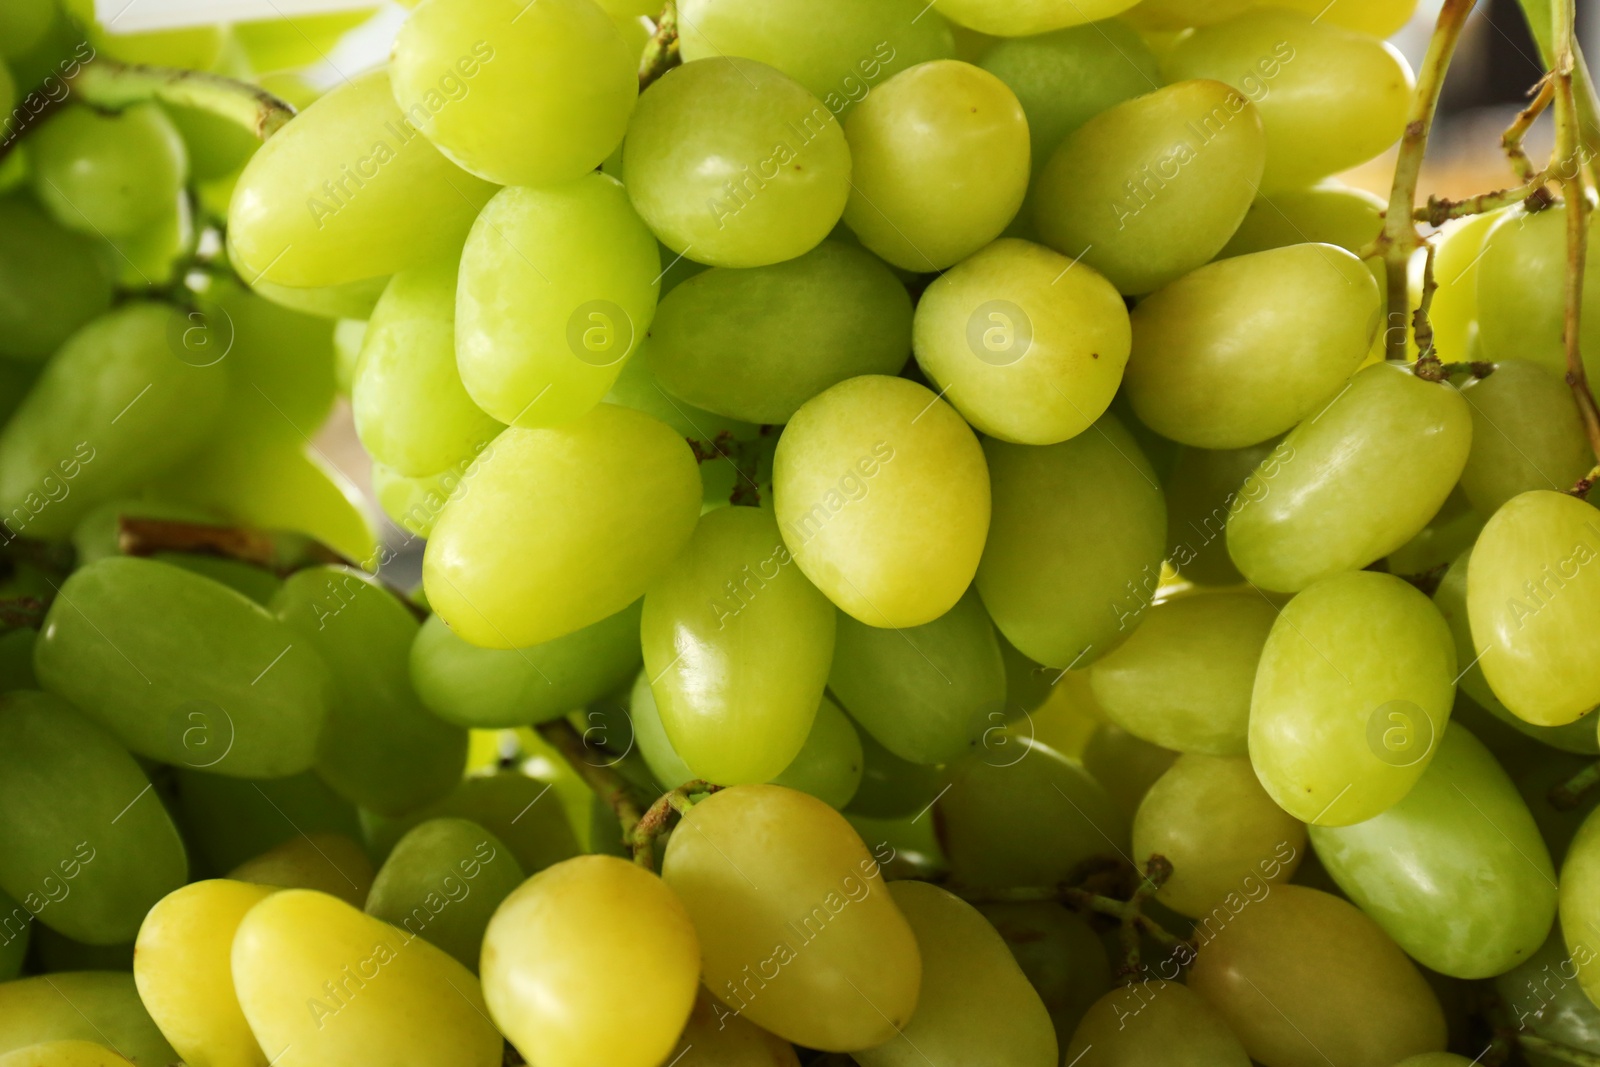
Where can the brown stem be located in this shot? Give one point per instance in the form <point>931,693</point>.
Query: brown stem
<point>1570,172</point>
<point>1534,195</point>
<point>1428,365</point>
<point>1581,488</point>
<point>641,836</point>
<point>1569,794</point>
<point>661,52</point>
<point>22,613</point>
<point>1511,140</point>
<point>612,788</point>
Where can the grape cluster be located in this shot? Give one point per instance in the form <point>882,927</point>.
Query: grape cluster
<point>940,546</point>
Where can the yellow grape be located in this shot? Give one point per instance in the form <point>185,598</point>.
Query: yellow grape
<point>66,1054</point>
<point>329,863</point>
<point>1458,250</point>
<point>715,1037</point>
<point>1020,18</point>
<point>98,1006</point>
<point>1326,213</point>
<point>1526,434</point>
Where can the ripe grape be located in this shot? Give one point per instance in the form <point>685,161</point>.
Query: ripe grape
<point>1526,434</point>
<point>290,40</point>
<point>1202,489</point>
<point>715,1037</point>
<point>1019,18</point>
<point>1127,765</point>
<point>1063,958</point>
<point>891,787</point>
<point>23,25</point>
<point>51,281</point>
<point>1154,1021</point>
<point>1521,289</point>
<point>1326,213</point>
<point>230,820</point>
<point>829,764</point>
<point>63,1054</point>
<point>107,175</point>
<point>1457,333</point>
<point>82,1006</point>
<point>346,300</point>
<point>329,863</point>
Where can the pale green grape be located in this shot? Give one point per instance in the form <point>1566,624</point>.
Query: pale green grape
<point>331,864</point>
<point>1362,477</point>
<point>502,574</point>
<point>280,361</point>
<point>230,820</point>
<point>1329,97</point>
<point>756,344</point>
<point>1542,995</point>
<point>510,806</point>
<point>797,931</point>
<point>485,688</point>
<point>1201,491</point>
<point>1019,18</point>
<point>890,786</point>
<point>883,498</point>
<point>416,503</point>
<point>190,48</point>
<point>1454,314</point>
<point>543,321</point>
<point>1353,691</point>
<point>1526,434</point>
<point>220,685</point>
<point>348,190</point>
<point>1533,598</point>
<point>347,300</point>
<point>349,336</point>
<point>183,968</point>
<point>829,764</point>
<point>1577,903</point>
<point>81,1006</point>
<point>64,1054</point>
<point>1152,188</point>
<point>928,693</point>
<point>217,147</point>
<point>1241,350</point>
<point>637,387</point>
<point>644,719</point>
<point>1455,871</point>
<point>736,708</point>
<point>51,281</point>
<point>975,1003</point>
<point>1075,547</point>
<point>1028,346</point>
<point>411,411</point>
<point>82,847</point>
<point>1154,1021</point>
<point>1303,977</point>
<point>1521,291</point>
<point>1061,955</point>
<point>295,40</point>
<point>1326,213</point>
<point>23,25</point>
<point>151,256</point>
<point>716,1037</point>
<point>107,175</point>
<point>1451,532</point>
<point>322,984</point>
<point>735,164</point>
<point>1182,680</point>
<point>1127,765</point>
<point>939,164</point>
<point>1028,685</point>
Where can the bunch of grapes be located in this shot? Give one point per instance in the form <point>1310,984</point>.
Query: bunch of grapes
<point>950,540</point>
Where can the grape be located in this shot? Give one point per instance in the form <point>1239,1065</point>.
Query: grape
<point>1454,315</point>
<point>883,499</point>
<point>348,337</point>
<point>890,786</point>
<point>1020,18</point>
<point>295,40</point>
<point>64,1054</point>
<point>1201,491</point>
<point>306,967</point>
<point>1542,994</point>
<point>16,932</point>
<point>1242,350</point>
<point>756,344</point>
<point>347,300</point>
<point>81,846</point>
<point>1061,955</point>
<point>975,1004</point>
<point>51,281</point>
<point>1152,188</point>
<point>1451,532</point>
<point>23,26</point>
<point>280,361</point>
<point>230,820</point>
<point>184,971</point>
<point>1534,606</point>
<point>190,48</point>
<point>797,932</point>
<point>151,256</point>
<point>539,343</point>
<point>1182,680</point>
<point>1475,893</point>
<point>507,805</point>
<point>644,718</point>
<point>219,685</point>
<point>1025,819</point>
<point>735,163</point>
<point>1126,764</point>
<point>484,688</point>
<point>715,1037</point>
<point>348,190</point>
<point>1028,346</point>
<point>411,411</point>
<point>928,693</point>
<point>83,1006</point>
<point>328,863</point>
<point>1326,213</point>
<point>1381,18</point>
<point>1075,546</point>
<point>107,175</point>
<point>503,575</point>
<point>1329,98</point>
<point>1293,971</point>
<point>1028,685</point>
<point>554,948</point>
<point>636,387</point>
<point>1577,904</point>
<point>1154,1021</point>
<point>414,504</point>
<point>1521,291</point>
<point>68,447</point>
<point>1526,434</point>
<point>1354,688</point>
<point>829,764</point>
<point>1356,481</point>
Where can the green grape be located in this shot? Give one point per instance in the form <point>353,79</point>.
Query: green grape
<point>1521,291</point>
<point>1458,251</point>
<point>347,300</point>
<point>64,1054</point>
<point>756,344</point>
<point>503,575</point>
<point>1126,764</point>
<point>183,969</point>
<point>838,50</point>
<point>1326,213</point>
<point>1155,1021</point>
<point>1353,690</point>
<point>1028,685</point>
<point>68,448</point>
<point>107,175</point>
<point>280,361</point>
<point>1201,491</point>
<point>1303,978</point>
<point>636,387</point>
<point>1020,18</point>
<point>883,498</point>
<point>1526,434</point>
<point>939,164</point>
<point>189,48</point>
<point>1182,680</point>
<point>83,1006</point>
<point>1577,904</point>
<point>552,953</point>
<point>51,281</point>
<point>16,672</point>
<point>930,693</point>
<point>1534,606</point>
<point>292,40</point>
<point>16,933</point>
<point>1543,996</point>
<point>1152,188</point>
<point>1329,98</point>
<point>1242,350</point>
<point>230,820</point>
<point>1075,546</point>
<point>443,881</point>
<point>1362,478</point>
<point>416,503</point>
<point>539,343</point>
<point>1455,871</point>
<point>1028,348</point>
<point>411,411</point>
<point>55,952</point>
<point>976,1004</point>
<point>1026,819</point>
<point>735,163</point>
<point>81,846</point>
<point>23,25</point>
<point>306,967</point>
<point>829,764</point>
<point>218,148</point>
<point>328,863</point>
<point>487,688</point>
<point>819,954</point>
<point>1063,958</point>
<point>218,686</point>
<point>890,786</point>
<point>644,719</point>
<point>151,257</point>
<point>1451,532</point>
<point>510,806</point>
<point>716,1037</point>
<point>349,336</point>
<point>348,190</point>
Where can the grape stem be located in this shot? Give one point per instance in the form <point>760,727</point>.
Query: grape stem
<point>22,613</point>
<point>1569,170</point>
<point>1570,794</point>
<point>1511,141</point>
<point>1586,483</point>
<point>612,788</point>
<point>661,51</point>
<point>1533,195</point>
<point>746,460</point>
<point>657,820</point>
